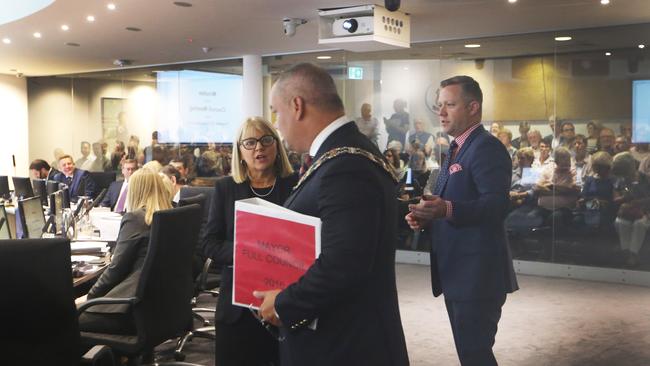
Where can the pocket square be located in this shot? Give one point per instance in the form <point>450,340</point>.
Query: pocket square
<point>455,168</point>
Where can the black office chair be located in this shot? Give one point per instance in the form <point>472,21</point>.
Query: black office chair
<point>205,282</point>
<point>38,321</point>
<point>103,179</point>
<point>161,307</point>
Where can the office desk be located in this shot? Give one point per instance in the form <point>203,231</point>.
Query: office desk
<point>83,284</point>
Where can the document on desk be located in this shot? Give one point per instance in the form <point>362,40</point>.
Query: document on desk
<point>273,248</point>
<point>88,247</point>
<point>107,222</point>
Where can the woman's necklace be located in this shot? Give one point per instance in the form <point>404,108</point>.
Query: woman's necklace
<point>267,193</point>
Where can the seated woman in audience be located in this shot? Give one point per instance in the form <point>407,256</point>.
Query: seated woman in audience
<point>261,169</point>
<point>147,194</point>
<point>557,189</point>
<point>544,158</point>
<point>598,191</point>
<point>505,136</point>
<point>393,159</point>
<point>522,197</point>
<point>632,190</point>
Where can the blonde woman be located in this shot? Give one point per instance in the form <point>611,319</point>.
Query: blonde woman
<point>147,194</point>
<point>260,168</point>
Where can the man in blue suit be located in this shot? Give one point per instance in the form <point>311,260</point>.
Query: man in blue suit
<point>470,259</point>
<point>78,181</point>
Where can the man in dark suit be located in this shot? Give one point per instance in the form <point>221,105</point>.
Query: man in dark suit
<point>344,310</point>
<point>78,181</point>
<point>116,194</point>
<point>40,169</point>
<point>470,259</point>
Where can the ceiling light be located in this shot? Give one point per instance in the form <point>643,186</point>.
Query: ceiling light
<point>604,2</point>
<point>641,46</point>
<point>90,18</point>
<point>37,35</point>
<point>608,53</point>
<point>65,27</point>
<point>512,1</point>
<point>111,6</point>
<point>472,45</point>
<point>323,57</point>
<point>563,38</point>
<point>6,40</point>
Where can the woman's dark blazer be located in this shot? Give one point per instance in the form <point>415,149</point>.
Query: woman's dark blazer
<point>121,277</point>
<point>219,233</point>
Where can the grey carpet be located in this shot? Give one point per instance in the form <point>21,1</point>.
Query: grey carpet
<point>549,321</point>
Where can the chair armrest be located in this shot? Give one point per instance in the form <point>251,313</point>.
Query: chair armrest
<point>98,355</point>
<point>107,301</point>
<point>204,274</point>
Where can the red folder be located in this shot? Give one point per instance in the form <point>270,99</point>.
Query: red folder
<point>273,247</point>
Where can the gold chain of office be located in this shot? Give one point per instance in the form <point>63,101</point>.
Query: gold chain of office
<point>345,150</point>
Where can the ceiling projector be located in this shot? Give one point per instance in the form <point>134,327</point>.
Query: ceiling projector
<point>353,26</point>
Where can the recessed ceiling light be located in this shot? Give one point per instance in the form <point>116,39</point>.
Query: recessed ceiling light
<point>608,53</point>
<point>182,4</point>
<point>111,6</point>
<point>641,46</point>
<point>512,1</point>
<point>472,45</point>
<point>604,2</point>
<point>563,38</point>
<point>6,40</point>
<point>406,69</point>
<point>65,27</point>
<point>90,18</point>
<point>323,57</point>
<point>133,29</point>
<point>37,35</point>
<point>72,44</point>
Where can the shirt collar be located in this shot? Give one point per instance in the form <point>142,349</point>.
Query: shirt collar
<point>325,133</point>
<point>460,139</point>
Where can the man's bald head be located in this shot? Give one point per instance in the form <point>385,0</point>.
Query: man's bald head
<point>313,84</point>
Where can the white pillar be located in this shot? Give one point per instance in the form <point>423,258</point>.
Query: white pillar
<point>252,88</point>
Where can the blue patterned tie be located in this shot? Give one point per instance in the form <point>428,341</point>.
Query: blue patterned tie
<point>444,170</point>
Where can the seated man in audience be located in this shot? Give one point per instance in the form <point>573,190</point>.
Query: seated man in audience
<point>78,181</point>
<point>40,169</point>
<point>116,195</point>
<point>522,140</point>
<point>84,162</point>
<point>582,159</point>
<point>621,144</point>
<point>101,162</point>
<point>522,197</point>
<point>179,164</point>
<point>553,140</point>
<point>606,141</point>
<point>557,189</point>
<point>534,138</point>
<point>422,137</point>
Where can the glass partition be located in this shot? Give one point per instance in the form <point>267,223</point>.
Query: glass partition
<point>573,115</point>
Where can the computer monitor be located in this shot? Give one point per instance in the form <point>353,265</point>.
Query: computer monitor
<point>31,217</point>
<point>40,190</point>
<point>5,232</point>
<point>4,187</point>
<point>23,187</point>
<point>52,186</point>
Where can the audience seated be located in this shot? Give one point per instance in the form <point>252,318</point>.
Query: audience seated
<point>633,193</point>
<point>78,181</point>
<point>84,162</point>
<point>593,134</point>
<point>557,189</point>
<point>101,162</point>
<point>117,192</point>
<point>522,196</point>
<point>581,157</point>
<point>534,138</point>
<point>606,141</point>
<point>147,194</point>
<point>505,136</point>
<point>567,134</point>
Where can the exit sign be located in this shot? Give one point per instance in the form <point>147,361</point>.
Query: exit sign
<point>355,73</point>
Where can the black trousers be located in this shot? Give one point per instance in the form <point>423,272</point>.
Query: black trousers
<point>474,325</point>
<point>245,343</point>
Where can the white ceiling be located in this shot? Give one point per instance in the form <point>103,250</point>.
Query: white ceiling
<point>233,28</point>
